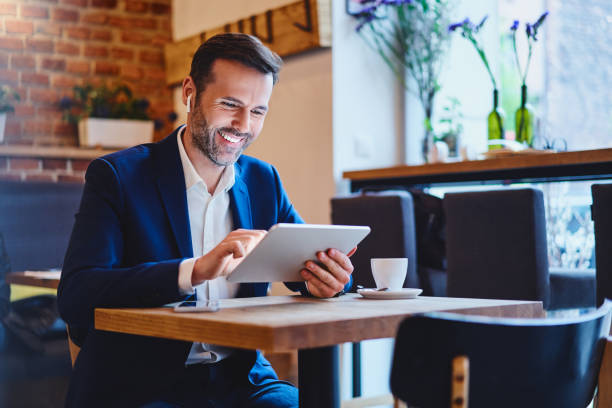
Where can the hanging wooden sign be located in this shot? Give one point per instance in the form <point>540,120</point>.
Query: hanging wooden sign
<point>286,30</point>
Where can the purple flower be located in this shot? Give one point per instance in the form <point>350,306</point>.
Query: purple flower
<point>65,103</point>
<point>396,2</point>
<point>540,20</point>
<point>535,26</point>
<point>531,31</point>
<point>479,26</point>
<point>466,22</point>
<point>371,9</point>
<point>366,19</point>
<point>454,26</point>
<point>368,11</point>
<point>469,31</point>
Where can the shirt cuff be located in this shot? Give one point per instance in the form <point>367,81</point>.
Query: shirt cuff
<point>184,276</point>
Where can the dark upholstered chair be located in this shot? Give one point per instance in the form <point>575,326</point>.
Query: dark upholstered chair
<point>496,248</point>
<point>390,215</point>
<point>35,220</point>
<point>506,362</point>
<point>602,217</point>
<point>571,288</point>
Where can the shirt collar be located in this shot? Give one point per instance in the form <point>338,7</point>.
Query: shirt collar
<point>191,175</point>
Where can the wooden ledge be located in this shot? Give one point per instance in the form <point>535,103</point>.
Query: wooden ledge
<point>67,152</point>
<point>527,161</point>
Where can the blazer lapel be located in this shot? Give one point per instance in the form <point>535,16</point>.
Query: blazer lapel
<point>240,202</point>
<point>171,185</point>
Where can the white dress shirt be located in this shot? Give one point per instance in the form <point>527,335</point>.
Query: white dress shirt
<point>210,220</point>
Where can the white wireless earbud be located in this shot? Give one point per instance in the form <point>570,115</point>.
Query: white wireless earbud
<point>189,104</point>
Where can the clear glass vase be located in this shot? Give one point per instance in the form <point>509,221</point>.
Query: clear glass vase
<point>427,145</point>
<point>495,121</point>
<point>524,120</point>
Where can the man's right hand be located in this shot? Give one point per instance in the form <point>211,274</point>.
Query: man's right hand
<point>224,258</point>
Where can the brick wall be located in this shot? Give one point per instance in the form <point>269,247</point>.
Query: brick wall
<point>43,169</point>
<point>47,47</point>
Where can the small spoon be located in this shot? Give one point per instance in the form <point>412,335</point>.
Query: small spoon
<point>377,290</point>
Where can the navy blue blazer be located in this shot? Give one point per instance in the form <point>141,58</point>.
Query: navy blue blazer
<point>130,234</point>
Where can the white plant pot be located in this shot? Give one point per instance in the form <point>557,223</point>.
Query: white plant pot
<point>2,126</point>
<point>114,132</point>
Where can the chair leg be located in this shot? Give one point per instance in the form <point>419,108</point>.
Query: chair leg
<point>398,403</point>
<point>74,349</point>
<point>460,382</point>
<point>604,397</point>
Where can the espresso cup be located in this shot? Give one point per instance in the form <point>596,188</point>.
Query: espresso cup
<point>389,273</point>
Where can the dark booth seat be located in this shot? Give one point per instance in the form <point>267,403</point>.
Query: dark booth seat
<point>496,248</point>
<point>390,215</point>
<point>602,217</point>
<point>35,222</point>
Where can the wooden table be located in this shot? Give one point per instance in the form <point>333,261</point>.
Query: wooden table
<point>563,166</point>
<point>42,279</point>
<point>315,327</point>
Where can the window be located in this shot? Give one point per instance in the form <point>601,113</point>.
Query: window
<point>570,72</point>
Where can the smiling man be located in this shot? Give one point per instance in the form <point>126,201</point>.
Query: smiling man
<point>163,221</point>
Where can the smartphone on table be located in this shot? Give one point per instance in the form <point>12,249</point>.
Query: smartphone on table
<point>197,306</point>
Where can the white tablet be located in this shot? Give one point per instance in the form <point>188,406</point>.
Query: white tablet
<point>280,256</point>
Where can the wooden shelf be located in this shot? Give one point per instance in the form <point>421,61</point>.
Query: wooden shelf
<point>52,152</point>
<point>588,164</point>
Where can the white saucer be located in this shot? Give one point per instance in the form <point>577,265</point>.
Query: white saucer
<point>405,293</point>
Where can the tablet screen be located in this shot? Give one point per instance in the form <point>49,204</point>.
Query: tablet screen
<point>280,256</point>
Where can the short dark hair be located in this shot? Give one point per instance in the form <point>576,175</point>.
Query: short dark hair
<point>243,48</point>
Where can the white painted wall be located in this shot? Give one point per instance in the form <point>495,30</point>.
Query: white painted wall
<point>367,102</point>
<point>297,135</point>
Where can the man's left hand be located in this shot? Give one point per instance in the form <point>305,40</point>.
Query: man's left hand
<point>329,279</point>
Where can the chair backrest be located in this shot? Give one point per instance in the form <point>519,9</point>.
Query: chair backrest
<point>390,215</point>
<point>602,216</point>
<point>512,362</point>
<point>36,220</point>
<point>496,245</point>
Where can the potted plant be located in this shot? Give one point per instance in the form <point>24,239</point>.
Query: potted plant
<point>108,116</point>
<point>7,98</point>
<point>450,126</point>
<point>411,37</point>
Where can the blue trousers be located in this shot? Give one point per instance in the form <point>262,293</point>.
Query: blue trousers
<point>223,385</point>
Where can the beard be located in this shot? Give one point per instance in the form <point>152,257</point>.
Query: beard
<point>203,137</point>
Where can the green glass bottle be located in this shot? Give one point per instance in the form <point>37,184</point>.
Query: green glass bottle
<point>524,120</point>
<point>495,121</point>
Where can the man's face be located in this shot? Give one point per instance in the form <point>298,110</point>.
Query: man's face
<point>230,112</point>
